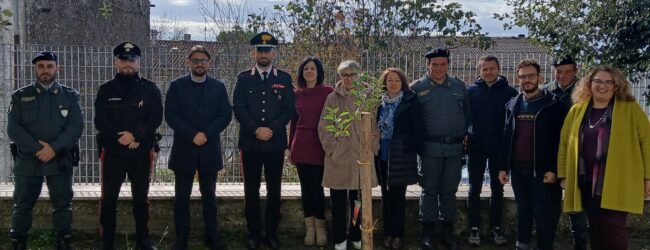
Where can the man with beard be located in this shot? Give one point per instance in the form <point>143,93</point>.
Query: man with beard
<point>128,110</point>
<point>264,104</point>
<point>45,123</point>
<point>488,97</point>
<point>445,107</point>
<point>529,149</point>
<point>197,109</point>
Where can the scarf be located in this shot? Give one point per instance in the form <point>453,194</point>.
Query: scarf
<point>387,114</point>
<point>597,177</point>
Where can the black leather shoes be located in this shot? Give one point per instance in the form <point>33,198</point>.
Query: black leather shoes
<point>63,242</point>
<point>19,244</point>
<point>273,243</point>
<point>253,243</point>
<point>145,244</point>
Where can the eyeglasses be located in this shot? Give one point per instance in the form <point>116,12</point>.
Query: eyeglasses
<point>348,75</point>
<point>527,77</point>
<point>608,83</point>
<point>201,61</point>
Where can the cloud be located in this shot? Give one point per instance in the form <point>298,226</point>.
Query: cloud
<point>180,2</point>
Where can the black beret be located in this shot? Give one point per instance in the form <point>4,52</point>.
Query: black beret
<point>126,51</point>
<point>563,61</point>
<point>45,55</point>
<point>264,41</point>
<point>437,52</point>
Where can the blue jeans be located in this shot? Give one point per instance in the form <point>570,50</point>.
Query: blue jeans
<point>538,202</point>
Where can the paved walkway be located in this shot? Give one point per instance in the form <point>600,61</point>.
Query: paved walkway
<point>234,190</point>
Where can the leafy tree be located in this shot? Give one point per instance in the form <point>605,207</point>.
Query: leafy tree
<point>5,14</point>
<point>613,32</point>
<point>383,24</point>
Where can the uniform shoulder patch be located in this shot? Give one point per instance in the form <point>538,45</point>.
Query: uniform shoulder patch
<point>245,72</point>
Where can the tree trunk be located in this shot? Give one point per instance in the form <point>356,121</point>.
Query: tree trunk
<point>366,186</point>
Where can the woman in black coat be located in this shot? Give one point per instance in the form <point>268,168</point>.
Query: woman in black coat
<point>401,128</point>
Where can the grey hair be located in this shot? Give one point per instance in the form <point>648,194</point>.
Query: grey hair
<point>348,64</point>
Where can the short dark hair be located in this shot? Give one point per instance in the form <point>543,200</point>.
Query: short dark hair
<point>400,74</point>
<point>489,59</point>
<point>528,63</point>
<point>198,49</point>
<point>302,83</point>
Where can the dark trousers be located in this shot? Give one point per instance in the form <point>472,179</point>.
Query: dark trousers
<point>393,201</point>
<point>313,196</point>
<point>476,167</point>
<point>580,230</point>
<point>114,170</point>
<point>252,164</point>
<point>26,192</point>
<point>536,202</point>
<point>439,182</point>
<point>607,229</point>
<point>340,221</point>
<point>183,189</point>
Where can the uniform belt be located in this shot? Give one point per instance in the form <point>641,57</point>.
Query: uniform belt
<point>445,140</point>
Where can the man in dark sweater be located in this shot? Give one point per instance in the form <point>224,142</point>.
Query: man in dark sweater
<point>529,150</point>
<point>198,110</point>
<point>488,97</point>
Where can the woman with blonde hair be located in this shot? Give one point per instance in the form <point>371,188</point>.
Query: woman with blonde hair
<point>604,156</point>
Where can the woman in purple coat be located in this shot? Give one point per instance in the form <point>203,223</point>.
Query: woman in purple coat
<point>306,151</point>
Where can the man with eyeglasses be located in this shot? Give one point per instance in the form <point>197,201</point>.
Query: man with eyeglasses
<point>128,110</point>
<point>263,103</point>
<point>445,107</point>
<point>528,150</point>
<point>565,70</point>
<point>198,110</point>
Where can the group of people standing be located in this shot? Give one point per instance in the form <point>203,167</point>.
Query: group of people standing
<point>599,153</point>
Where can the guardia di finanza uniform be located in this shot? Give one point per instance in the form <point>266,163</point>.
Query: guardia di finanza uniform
<point>445,108</point>
<point>52,115</point>
<point>263,103</point>
<point>126,103</point>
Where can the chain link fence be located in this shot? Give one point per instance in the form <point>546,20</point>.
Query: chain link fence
<point>86,67</point>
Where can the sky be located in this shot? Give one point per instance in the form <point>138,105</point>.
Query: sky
<point>188,14</point>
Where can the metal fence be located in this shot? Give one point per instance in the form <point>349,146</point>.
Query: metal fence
<point>86,67</point>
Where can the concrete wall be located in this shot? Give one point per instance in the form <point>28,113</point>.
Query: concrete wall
<point>79,22</point>
<point>231,217</point>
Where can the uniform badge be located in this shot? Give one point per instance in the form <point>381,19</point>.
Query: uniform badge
<point>28,98</point>
<point>423,93</point>
<point>266,39</point>
<point>128,47</point>
<point>114,99</point>
<point>140,104</point>
<point>64,112</point>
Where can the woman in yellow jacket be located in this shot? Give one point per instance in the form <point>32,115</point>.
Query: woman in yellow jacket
<point>604,156</point>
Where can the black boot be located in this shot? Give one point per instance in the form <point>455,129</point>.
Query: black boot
<point>19,243</point>
<point>448,236</point>
<point>63,242</point>
<point>145,244</point>
<point>426,243</point>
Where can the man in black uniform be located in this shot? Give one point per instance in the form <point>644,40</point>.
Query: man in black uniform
<point>128,110</point>
<point>45,123</point>
<point>264,104</point>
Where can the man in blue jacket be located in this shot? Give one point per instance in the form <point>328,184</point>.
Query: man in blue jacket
<point>197,109</point>
<point>488,97</point>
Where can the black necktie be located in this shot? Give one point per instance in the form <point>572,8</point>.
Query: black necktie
<point>264,75</point>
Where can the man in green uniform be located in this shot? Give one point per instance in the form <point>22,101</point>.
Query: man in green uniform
<point>45,123</point>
